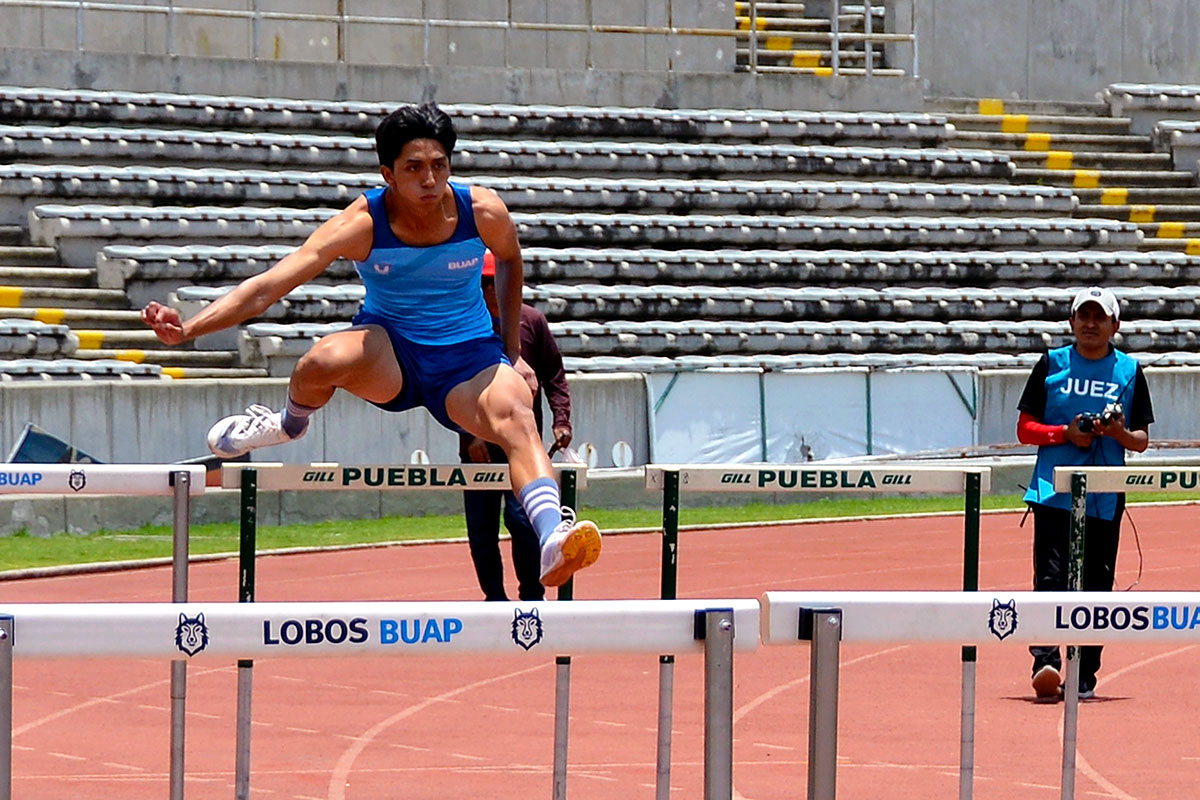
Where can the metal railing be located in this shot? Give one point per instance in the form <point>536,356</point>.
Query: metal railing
<point>836,39</point>
<point>256,16</point>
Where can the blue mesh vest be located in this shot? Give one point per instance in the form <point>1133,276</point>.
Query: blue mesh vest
<point>431,295</point>
<point>1075,385</point>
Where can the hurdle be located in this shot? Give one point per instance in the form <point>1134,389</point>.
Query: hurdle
<point>250,477</point>
<point>848,478</point>
<point>181,482</point>
<point>221,632</point>
<point>824,620</point>
<point>1078,481</point>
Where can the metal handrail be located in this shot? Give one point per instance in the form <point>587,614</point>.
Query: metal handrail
<point>257,16</point>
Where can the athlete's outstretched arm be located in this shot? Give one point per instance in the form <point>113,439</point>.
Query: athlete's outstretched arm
<point>347,235</point>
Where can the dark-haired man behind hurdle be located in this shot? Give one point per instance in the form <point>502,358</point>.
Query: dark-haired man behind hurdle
<point>1084,405</point>
<point>423,336</point>
<point>483,509</point>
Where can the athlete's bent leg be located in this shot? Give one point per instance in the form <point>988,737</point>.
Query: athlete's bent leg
<point>360,360</point>
<point>496,405</point>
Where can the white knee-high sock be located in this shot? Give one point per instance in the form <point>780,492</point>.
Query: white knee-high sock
<point>541,502</point>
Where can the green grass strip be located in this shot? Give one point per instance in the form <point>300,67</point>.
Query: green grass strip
<point>23,551</point>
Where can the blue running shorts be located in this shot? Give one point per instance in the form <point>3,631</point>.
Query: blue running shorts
<point>431,371</point>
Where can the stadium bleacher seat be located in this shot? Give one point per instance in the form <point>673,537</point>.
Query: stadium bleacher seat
<point>59,369</point>
<point>655,239</point>
<point>26,337</point>
<point>1181,138</point>
<point>20,104</point>
<point>107,145</point>
<point>80,231</point>
<point>24,186</point>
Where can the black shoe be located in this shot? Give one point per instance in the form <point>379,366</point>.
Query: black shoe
<point>1087,688</point>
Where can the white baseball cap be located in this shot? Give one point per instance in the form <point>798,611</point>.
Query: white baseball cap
<point>1101,297</point>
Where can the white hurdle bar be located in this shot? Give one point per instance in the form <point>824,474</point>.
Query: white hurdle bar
<point>330,476</point>
<point>1179,478</point>
<point>178,480</point>
<point>251,477</point>
<point>826,619</point>
<point>839,478</point>
<point>847,478</point>
<point>122,479</point>
<point>221,632</point>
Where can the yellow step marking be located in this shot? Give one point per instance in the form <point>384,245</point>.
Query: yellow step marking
<point>10,296</point>
<point>823,72</point>
<point>1059,159</point>
<point>1139,213</point>
<point>1014,123</point>
<point>136,356</point>
<point>50,316</point>
<point>1037,142</point>
<point>1170,230</point>
<point>991,106</point>
<point>1086,178</point>
<point>807,59</point>
<point>1114,197</point>
<point>90,340</point>
<point>173,372</point>
<point>1193,247</point>
<point>744,23</point>
<point>779,43</point>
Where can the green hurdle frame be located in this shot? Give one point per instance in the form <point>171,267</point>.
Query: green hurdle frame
<point>282,477</point>
<point>805,478</point>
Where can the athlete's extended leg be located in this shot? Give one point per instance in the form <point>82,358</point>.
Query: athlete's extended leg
<point>360,360</point>
<point>496,405</point>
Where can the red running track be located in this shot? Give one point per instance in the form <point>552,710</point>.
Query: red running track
<point>431,728</point>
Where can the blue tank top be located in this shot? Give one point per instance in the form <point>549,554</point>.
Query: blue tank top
<point>1075,385</point>
<point>431,295</point>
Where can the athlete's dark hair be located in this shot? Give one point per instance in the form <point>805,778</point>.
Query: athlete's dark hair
<point>406,123</point>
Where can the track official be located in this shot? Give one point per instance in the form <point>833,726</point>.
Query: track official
<point>1084,405</point>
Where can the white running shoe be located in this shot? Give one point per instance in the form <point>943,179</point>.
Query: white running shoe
<point>571,547</point>
<point>258,427</point>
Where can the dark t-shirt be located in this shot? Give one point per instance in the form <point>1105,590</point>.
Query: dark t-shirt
<point>1033,400</point>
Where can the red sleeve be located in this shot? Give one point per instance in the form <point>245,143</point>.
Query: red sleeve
<point>1031,431</point>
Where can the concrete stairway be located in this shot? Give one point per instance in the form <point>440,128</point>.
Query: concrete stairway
<point>35,286</point>
<point>1115,173</point>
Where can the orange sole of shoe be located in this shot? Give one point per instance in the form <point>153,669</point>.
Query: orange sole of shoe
<point>581,549</point>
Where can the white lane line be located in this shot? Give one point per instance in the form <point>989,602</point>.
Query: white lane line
<point>95,701</point>
<point>341,770</point>
<point>765,696</point>
<point>1081,763</point>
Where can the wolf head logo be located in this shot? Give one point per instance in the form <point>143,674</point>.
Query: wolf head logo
<point>77,480</point>
<point>526,628</point>
<point>191,634</point>
<point>1002,619</point>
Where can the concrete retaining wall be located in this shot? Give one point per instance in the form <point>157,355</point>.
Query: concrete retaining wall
<point>1054,49</point>
<point>369,60</point>
<point>132,422</point>
<point>152,423</point>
